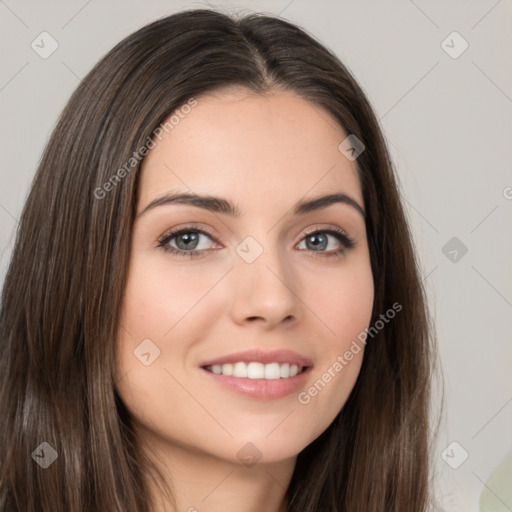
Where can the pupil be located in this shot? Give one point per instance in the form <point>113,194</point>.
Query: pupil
<point>187,239</point>
<point>318,242</point>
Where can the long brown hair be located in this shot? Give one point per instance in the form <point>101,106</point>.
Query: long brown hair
<point>63,290</point>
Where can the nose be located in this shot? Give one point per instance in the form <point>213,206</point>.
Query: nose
<point>265,291</point>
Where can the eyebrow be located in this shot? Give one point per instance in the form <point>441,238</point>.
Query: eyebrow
<point>220,205</point>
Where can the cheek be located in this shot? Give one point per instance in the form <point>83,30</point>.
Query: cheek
<point>343,302</point>
<point>158,305</point>
<point>158,297</point>
<point>344,305</point>
<point>161,304</point>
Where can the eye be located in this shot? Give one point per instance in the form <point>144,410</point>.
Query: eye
<point>318,241</point>
<point>187,242</point>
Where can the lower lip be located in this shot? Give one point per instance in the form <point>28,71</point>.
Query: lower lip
<point>263,389</point>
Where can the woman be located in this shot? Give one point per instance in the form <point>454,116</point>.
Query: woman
<point>213,300</point>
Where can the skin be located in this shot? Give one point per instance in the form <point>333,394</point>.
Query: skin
<point>263,153</point>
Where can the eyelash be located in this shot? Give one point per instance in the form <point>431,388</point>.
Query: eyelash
<point>346,241</point>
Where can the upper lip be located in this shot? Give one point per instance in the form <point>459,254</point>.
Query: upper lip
<point>261,356</point>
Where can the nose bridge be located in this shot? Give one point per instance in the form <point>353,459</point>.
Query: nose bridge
<point>263,280</point>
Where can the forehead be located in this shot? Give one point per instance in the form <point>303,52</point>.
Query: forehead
<point>235,142</point>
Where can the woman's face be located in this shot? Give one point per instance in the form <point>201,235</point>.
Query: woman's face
<point>261,291</point>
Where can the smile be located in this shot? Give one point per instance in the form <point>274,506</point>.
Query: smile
<point>259,374</point>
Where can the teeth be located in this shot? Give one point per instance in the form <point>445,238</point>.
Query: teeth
<point>227,369</point>
<point>272,371</point>
<point>255,370</point>
<point>239,370</point>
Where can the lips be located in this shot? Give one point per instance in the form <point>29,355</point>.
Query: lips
<point>260,375</point>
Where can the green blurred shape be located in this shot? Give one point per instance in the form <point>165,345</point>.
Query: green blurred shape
<point>497,493</point>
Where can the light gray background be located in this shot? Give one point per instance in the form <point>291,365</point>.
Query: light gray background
<point>448,124</point>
